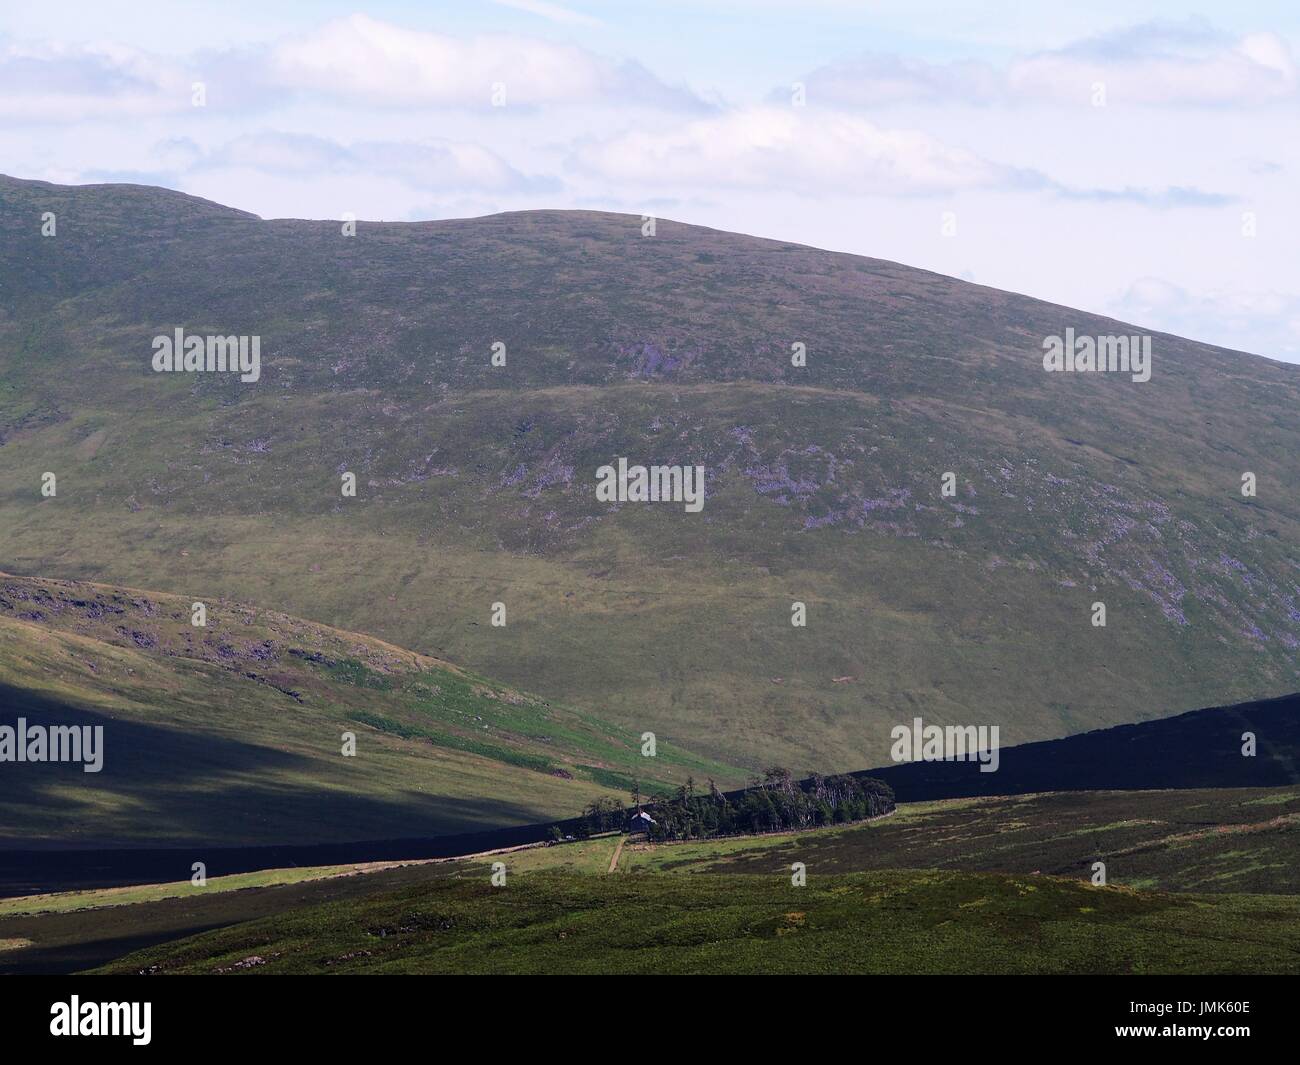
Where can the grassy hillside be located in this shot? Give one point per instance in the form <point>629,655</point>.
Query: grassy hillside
<point>232,733</point>
<point>475,484</point>
<point>896,922</point>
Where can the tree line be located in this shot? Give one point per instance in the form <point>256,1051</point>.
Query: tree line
<point>773,802</point>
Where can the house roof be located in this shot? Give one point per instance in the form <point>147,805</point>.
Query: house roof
<point>641,815</point>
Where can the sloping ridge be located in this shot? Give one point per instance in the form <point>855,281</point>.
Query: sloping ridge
<point>1247,745</point>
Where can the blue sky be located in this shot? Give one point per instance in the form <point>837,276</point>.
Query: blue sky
<point>1135,159</point>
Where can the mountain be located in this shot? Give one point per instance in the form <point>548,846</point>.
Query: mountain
<point>233,733</point>
<point>1199,749</point>
<point>476,483</point>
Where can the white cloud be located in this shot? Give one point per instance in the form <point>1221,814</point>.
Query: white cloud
<point>792,149</point>
<point>1153,64</point>
<point>814,152</point>
<point>875,79</point>
<point>553,12</point>
<point>1160,66</point>
<point>433,165</point>
<point>366,60</point>
<point>62,83</point>
<point>1267,322</point>
<point>352,61</point>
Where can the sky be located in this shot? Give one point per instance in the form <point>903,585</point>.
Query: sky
<point>1138,159</point>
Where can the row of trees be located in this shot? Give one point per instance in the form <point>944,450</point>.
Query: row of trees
<point>773,802</point>
<point>603,815</point>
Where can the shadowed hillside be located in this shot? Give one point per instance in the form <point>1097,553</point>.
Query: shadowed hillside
<point>1198,749</point>
<point>232,733</point>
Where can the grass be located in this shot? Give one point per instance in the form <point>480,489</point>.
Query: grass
<point>72,901</point>
<point>444,739</point>
<point>589,856</point>
<point>77,939</point>
<point>881,922</point>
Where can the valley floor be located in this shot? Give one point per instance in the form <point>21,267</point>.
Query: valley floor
<point>1199,881</point>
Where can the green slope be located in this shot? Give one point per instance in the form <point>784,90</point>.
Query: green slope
<point>476,484</point>
<point>232,733</point>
